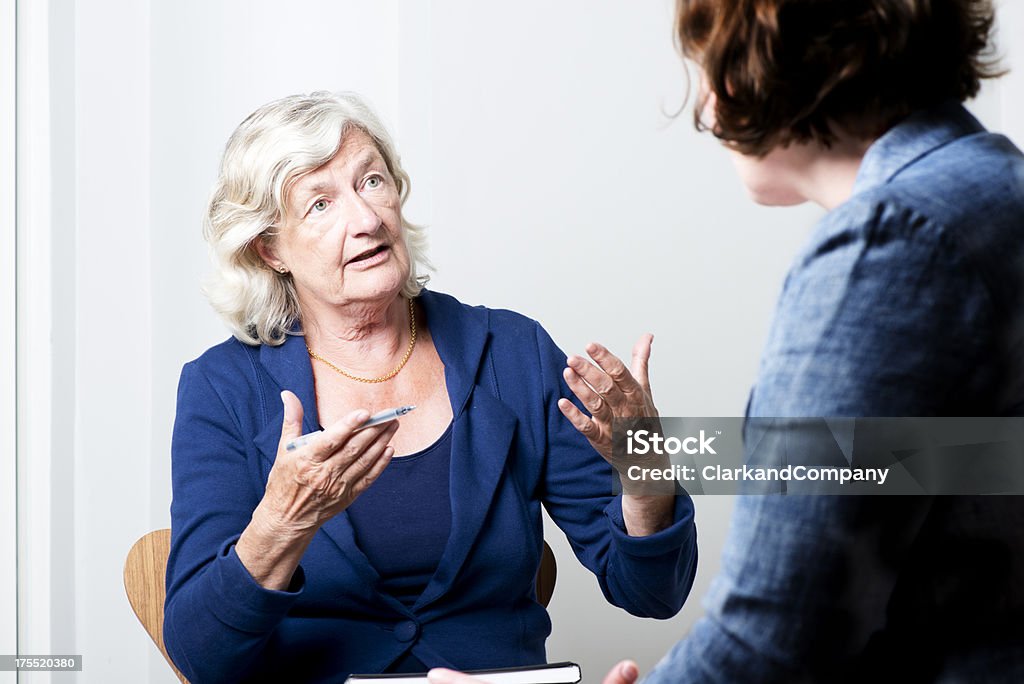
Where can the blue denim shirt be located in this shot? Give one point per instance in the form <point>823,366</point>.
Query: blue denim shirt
<point>908,300</point>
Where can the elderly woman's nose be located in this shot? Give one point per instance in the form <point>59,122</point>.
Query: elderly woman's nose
<point>363,217</point>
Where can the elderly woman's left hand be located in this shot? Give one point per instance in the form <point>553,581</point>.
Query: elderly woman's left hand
<point>611,391</point>
<point>608,390</point>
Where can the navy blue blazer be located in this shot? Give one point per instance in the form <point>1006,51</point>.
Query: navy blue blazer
<point>512,451</point>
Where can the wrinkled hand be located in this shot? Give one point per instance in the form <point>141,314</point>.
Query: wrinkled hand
<point>611,391</point>
<point>608,390</point>
<point>625,672</point>
<point>312,484</point>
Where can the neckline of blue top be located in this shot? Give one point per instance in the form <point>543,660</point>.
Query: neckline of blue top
<point>423,452</point>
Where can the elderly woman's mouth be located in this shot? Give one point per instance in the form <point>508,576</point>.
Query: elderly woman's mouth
<point>370,257</point>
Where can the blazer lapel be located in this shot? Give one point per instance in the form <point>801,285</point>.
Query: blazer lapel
<point>481,435</point>
<point>481,441</point>
<point>289,366</point>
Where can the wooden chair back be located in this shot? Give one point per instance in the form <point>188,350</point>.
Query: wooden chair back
<point>546,574</point>
<point>144,571</point>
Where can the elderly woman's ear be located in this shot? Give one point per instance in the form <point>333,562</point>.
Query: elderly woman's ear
<point>265,248</point>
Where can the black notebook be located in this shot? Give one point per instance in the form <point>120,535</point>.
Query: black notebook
<point>555,673</point>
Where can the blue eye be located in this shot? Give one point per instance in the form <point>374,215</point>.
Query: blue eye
<point>319,206</point>
<point>374,182</point>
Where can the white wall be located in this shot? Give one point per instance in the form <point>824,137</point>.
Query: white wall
<point>1010,90</point>
<point>542,162</point>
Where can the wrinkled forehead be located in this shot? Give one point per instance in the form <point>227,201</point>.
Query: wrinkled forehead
<point>356,142</point>
<point>357,153</point>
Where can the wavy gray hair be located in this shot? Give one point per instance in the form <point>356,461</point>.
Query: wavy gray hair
<point>276,144</point>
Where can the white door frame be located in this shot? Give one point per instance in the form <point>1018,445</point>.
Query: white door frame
<point>8,358</point>
<point>34,341</point>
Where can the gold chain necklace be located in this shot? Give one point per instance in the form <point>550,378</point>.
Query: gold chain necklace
<point>383,378</point>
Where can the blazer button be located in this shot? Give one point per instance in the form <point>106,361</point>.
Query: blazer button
<point>407,631</point>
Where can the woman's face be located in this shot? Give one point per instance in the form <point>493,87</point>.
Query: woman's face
<point>800,171</point>
<point>772,179</point>
<point>342,236</point>
<point>775,178</point>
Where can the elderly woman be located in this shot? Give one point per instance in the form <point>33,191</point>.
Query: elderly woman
<point>406,545</point>
<point>907,300</point>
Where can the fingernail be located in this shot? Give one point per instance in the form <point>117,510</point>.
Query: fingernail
<point>289,412</point>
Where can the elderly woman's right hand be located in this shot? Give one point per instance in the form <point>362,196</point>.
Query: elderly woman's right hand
<point>308,486</point>
<point>315,482</point>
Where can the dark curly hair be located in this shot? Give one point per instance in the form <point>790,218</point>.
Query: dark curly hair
<point>784,71</point>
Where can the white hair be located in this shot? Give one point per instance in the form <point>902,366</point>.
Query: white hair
<point>276,144</point>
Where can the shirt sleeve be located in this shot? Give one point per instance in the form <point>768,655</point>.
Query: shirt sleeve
<point>217,618</point>
<point>883,317</point>
<point>647,576</point>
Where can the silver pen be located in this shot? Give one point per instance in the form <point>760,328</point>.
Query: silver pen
<point>375,419</point>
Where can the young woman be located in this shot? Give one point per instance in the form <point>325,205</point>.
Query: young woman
<point>908,300</point>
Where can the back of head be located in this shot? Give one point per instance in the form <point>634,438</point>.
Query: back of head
<point>783,71</point>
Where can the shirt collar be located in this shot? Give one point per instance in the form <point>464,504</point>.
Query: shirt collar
<point>911,139</point>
